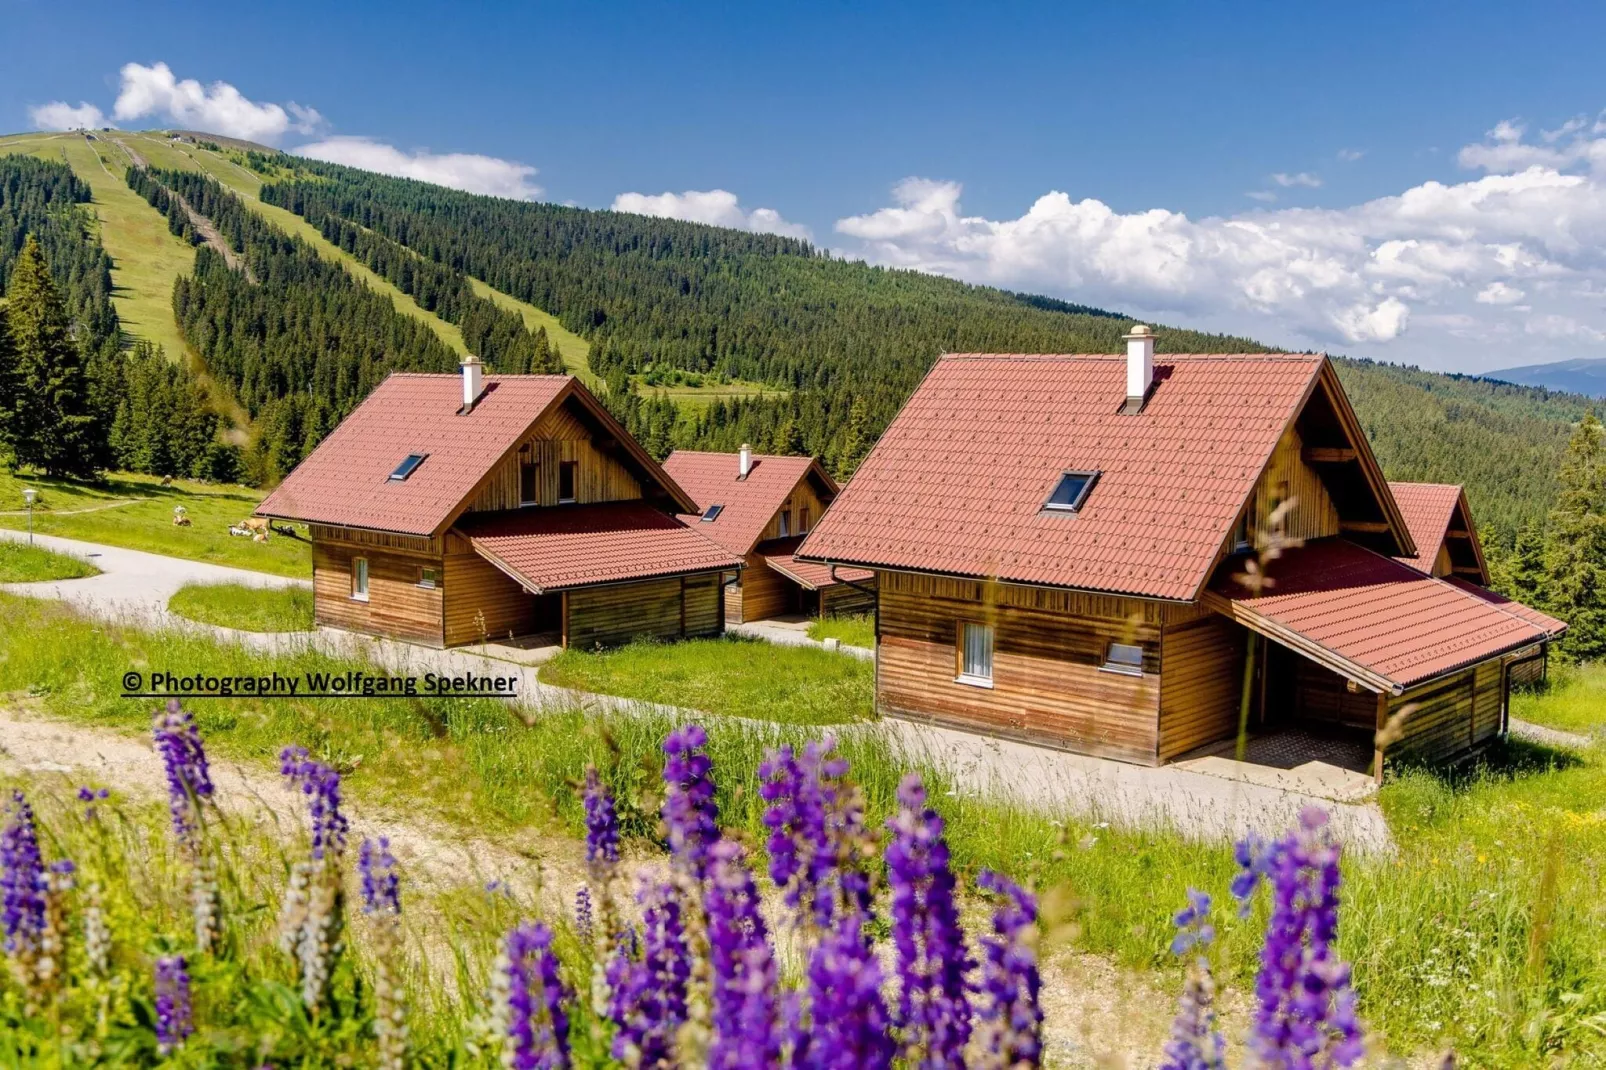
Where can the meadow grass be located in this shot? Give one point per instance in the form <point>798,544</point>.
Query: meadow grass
<point>732,675</point>
<point>855,630</point>
<point>250,609</point>
<point>1484,931</point>
<point>136,512</point>
<point>1574,699</point>
<point>575,351</point>
<point>21,563</point>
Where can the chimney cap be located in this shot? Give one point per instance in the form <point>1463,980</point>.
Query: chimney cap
<point>1139,330</point>
<point>469,359</point>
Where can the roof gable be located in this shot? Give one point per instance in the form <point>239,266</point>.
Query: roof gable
<point>1439,517</point>
<point>748,504</point>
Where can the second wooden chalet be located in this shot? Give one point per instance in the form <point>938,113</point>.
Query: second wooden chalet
<point>449,510</point>
<point>1143,557</point>
<point>760,506</point>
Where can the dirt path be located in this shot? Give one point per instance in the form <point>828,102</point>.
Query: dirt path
<point>43,513</point>
<point>214,238</point>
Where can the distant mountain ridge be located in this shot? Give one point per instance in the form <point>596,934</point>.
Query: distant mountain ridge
<point>1581,375</point>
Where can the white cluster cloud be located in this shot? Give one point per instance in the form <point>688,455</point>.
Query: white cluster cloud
<point>218,108</point>
<point>459,170</point>
<point>717,207</point>
<point>1479,273</point>
<point>59,115</point>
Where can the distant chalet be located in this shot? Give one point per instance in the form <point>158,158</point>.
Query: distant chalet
<point>463,509</point>
<point>1066,550</point>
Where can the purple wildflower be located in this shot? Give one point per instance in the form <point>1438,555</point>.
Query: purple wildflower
<point>381,887</point>
<point>584,919</point>
<point>689,811</point>
<point>173,1021</point>
<point>189,776</point>
<point>602,824</point>
<point>532,996</point>
<point>1306,1015</point>
<point>1010,984</point>
<point>321,785</point>
<point>649,994</point>
<point>89,797</point>
<point>744,971</point>
<point>817,832</point>
<point>850,1026</point>
<point>1195,1042</point>
<point>930,945</point>
<point>23,882</point>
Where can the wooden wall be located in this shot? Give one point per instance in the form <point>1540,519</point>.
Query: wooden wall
<point>1047,684</point>
<point>1287,476</point>
<point>802,495</point>
<point>1321,695</point>
<point>560,436</point>
<point>761,593</point>
<point>396,606</point>
<point>845,599</point>
<point>657,609</point>
<point>1201,683</point>
<point>484,602</point>
<point>1452,715</point>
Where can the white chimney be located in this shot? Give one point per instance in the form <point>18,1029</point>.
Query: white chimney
<point>473,381</point>
<point>1139,366</point>
<point>744,461</point>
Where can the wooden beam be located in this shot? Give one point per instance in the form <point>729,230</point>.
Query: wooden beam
<point>1327,454</point>
<point>1468,570</point>
<point>1370,527</point>
<point>1377,752</point>
<point>1458,533</point>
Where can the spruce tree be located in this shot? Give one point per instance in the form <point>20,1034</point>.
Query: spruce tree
<point>53,421</point>
<point>1525,567</point>
<point>1575,554</point>
<point>8,386</point>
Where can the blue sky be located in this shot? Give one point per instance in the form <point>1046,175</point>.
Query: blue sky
<point>1163,131</point>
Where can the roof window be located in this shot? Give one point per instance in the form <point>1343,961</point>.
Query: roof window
<point>409,463</point>
<point>1071,491</point>
<point>713,511</point>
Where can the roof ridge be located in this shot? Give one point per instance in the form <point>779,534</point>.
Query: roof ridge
<point>1159,358</point>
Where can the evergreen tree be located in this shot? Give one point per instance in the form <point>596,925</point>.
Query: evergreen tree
<point>8,385</point>
<point>1525,567</point>
<point>53,422</point>
<point>1575,555</point>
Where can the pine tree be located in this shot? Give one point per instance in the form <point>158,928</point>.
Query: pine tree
<point>1525,567</point>
<point>1575,554</point>
<point>53,420</point>
<point>8,385</point>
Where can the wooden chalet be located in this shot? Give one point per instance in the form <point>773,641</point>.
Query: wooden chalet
<point>760,506</point>
<point>1133,557</point>
<point>448,510</point>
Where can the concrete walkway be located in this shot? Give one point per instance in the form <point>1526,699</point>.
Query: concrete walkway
<point>135,586</point>
<point>794,631</point>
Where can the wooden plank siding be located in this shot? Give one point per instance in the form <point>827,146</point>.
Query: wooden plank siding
<point>1451,716</point>
<point>656,609</point>
<point>396,606</point>
<point>484,603</point>
<point>845,599</point>
<point>559,436</point>
<point>1201,683</point>
<point>760,593</point>
<point>803,496</point>
<point>1288,476</point>
<point>1048,686</point>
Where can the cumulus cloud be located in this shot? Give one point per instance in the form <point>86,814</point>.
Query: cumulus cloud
<point>717,207</point>
<point>1351,155</point>
<point>1447,274</point>
<point>1303,178</point>
<point>459,170</point>
<point>59,115</point>
<point>219,108</point>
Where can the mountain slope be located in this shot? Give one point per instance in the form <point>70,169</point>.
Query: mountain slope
<point>1579,376</point>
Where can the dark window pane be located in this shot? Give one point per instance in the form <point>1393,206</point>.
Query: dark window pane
<point>566,474</point>
<point>410,462</point>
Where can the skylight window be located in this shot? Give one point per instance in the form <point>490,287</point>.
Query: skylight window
<point>713,511</point>
<point>1071,491</point>
<point>409,463</point>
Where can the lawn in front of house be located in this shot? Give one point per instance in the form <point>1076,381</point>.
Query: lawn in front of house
<point>731,675</point>
<point>21,563</point>
<point>250,609</point>
<point>856,630</point>
<point>1573,700</point>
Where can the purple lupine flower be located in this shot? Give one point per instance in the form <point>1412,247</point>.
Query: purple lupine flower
<point>89,797</point>
<point>189,775</point>
<point>690,813</point>
<point>817,832</point>
<point>1195,1042</point>
<point>932,1008</point>
<point>1306,1014</point>
<point>584,918</point>
<point>849,1027</point>
<point>602,824</point>
<point>173,1015</point>
<point>381,886</point>
<point>534,1021</point>
<point>321,785</point>
<point>649,994</point>
<point>23,882</point>
<point>1011,986</point>
<point>745,976</point>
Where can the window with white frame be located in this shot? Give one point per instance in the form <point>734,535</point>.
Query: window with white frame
<point>429,577</point>
<point>975,653</point>
<point>1124,658</point>
<point>359,578</point>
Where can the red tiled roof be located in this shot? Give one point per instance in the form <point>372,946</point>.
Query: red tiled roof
<point>780,554</point>
<point>1543,621</point>
<point>750,504</point>
<point>586,545</point>
<point>1427,508</point>
<point>1370,617</point>
<point>957,482</point>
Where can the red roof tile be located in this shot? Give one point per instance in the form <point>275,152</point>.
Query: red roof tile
<point>780,554</point>
<point>749,504</point>
<point>586,545</point>
<point>1543,621</point>
<point>957,482</point>
<point>1427,508</point>
<point>1371,617</point>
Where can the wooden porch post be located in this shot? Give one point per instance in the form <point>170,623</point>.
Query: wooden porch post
<point>565,622</point>
<point>1248,692</point>
<point>1382,720</point>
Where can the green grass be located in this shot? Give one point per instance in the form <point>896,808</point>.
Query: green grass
<point>732,675</point>
<point>21,563</point>
<point>251,609</point>
<point>856,630</point>
<point>575,351</point>
<point>1483,856</point>
<point>1574,701</point>
<point>136,512</point>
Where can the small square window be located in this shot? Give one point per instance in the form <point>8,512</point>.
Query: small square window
<point>786,523</point>
<point>975,654</point>
<point>567,470</point>
<point>1071,491</point>
<point>359,579</point>
<point>429,577</point>
<point>712,512</point>
<point>1124,658</point>
<point>405,469</point>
